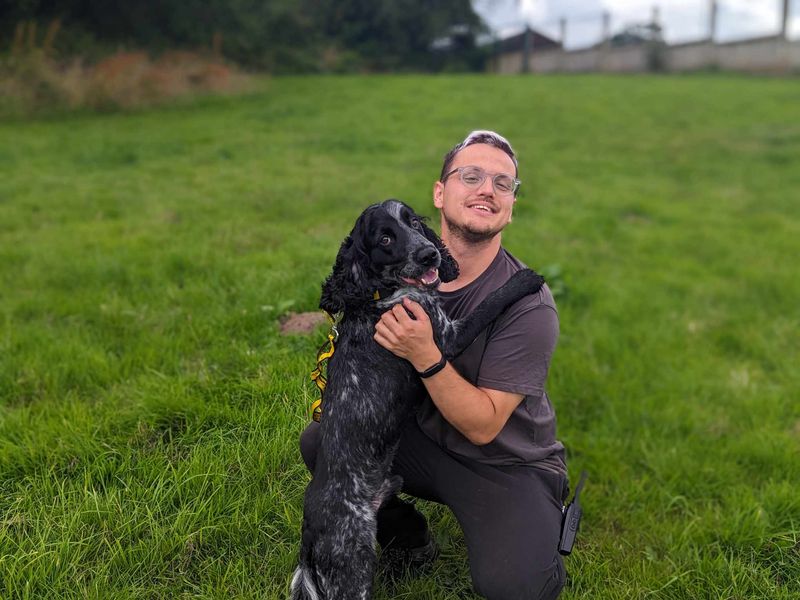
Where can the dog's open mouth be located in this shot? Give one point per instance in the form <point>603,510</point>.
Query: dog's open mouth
<point>428,279</point>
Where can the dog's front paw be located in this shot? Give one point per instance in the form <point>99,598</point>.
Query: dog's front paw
<point>528,280</point>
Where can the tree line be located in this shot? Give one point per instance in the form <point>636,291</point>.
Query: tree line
<point>274,35</point>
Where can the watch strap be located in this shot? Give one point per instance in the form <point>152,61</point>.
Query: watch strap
<point>433,370</point>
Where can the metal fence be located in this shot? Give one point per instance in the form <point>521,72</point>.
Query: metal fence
<point>680,21</point>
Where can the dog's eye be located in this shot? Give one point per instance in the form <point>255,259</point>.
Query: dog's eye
<point>415,223</point>
<point>385,240</point>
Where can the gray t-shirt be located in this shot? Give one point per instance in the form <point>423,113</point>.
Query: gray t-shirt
<point>512,355</point>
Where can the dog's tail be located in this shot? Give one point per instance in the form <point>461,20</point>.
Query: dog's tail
<point>304,586</point>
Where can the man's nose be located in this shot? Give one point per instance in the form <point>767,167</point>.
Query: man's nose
<point>486,187</point>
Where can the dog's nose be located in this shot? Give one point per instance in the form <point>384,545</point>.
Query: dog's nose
<point>427,257</point>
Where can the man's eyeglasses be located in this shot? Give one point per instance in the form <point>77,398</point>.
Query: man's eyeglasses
<point>473,177</point>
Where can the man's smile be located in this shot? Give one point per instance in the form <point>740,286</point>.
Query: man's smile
<point>482,208</point>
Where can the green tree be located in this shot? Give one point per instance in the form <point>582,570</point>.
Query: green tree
<point>276,35</point>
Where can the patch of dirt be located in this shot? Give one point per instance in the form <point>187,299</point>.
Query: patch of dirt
<point>306,322</point>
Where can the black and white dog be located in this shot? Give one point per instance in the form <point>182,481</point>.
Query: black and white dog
<point>371,392</point>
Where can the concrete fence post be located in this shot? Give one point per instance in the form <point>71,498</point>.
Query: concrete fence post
<point>604,49</point>
<point>785,19</point>
<point>656,59</point>
<point>527,49</point>
<point>712,20</point>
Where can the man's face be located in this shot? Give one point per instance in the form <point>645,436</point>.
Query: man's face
<point>475,214</point>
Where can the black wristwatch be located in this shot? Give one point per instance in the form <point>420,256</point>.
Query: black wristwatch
<point>434,369</point>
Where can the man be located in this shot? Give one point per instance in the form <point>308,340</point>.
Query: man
<point>483,442</point>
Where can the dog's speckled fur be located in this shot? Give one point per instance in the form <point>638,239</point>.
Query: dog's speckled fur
<point>371,392</point>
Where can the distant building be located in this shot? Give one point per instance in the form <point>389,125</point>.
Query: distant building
<point>634,35</point>
<point>516,43</point>
<point>458,49</point>
<point>512,54</point>
<point>456,37</point>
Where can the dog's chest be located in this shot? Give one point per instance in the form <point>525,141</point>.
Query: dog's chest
<point>367,382</point>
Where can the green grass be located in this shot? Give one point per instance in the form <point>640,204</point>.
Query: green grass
<point>149,408</point>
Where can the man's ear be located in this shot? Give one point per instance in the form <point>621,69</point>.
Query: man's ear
<point>448,268</point>
<point>438,194</point>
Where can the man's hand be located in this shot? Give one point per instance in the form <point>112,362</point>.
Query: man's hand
<point>478,413</point>
<point>407,337</point>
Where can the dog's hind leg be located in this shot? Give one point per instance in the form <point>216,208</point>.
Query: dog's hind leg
<point>303,586</point>
<point>389,487</point>
<point>350,565</point>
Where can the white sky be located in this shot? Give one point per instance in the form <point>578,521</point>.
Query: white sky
<point>683,20</point>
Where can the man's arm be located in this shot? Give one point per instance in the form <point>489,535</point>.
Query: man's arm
<point>477,413</point>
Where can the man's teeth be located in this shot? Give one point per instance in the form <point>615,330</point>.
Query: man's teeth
<point>482,207</point>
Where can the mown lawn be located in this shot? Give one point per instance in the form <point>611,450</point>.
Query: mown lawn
<point>149,408</point>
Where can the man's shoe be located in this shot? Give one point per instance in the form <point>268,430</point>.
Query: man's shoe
<point>398,561</point>
<point>407,546</point>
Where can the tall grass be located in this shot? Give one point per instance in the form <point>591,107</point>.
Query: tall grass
<point>150,408</point>
<point>35,80</point>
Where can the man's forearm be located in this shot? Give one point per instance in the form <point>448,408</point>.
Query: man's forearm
<point>477,413</point>
<point>467,408</point>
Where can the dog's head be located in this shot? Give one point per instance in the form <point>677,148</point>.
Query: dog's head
<point>390,247</point>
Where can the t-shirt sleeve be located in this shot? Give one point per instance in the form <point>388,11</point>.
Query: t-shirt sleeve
<point>519,349</point>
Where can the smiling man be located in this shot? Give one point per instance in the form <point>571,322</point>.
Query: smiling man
<point>484,440</point>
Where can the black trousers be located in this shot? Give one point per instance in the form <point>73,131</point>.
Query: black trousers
<point>510,515</point>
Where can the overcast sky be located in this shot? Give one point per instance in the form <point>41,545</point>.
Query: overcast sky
<point>683,20</point>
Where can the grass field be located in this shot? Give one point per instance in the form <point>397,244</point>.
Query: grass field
<point>149,408</point>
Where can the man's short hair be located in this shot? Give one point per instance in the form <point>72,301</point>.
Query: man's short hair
<point>479,136</point>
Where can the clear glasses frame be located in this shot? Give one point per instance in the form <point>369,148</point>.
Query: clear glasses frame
<point>473,177</point>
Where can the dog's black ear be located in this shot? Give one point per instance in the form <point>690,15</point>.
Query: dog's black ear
<point>448,269</point>
<point>332,299</point>
<point>348,282</point>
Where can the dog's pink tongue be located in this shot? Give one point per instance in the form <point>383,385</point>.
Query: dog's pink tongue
<point>430,276</point>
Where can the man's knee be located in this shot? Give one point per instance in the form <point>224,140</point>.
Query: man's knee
<point>523,584</point>
<point>309,444</point>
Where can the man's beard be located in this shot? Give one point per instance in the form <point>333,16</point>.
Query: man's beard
<point>468,234</point>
